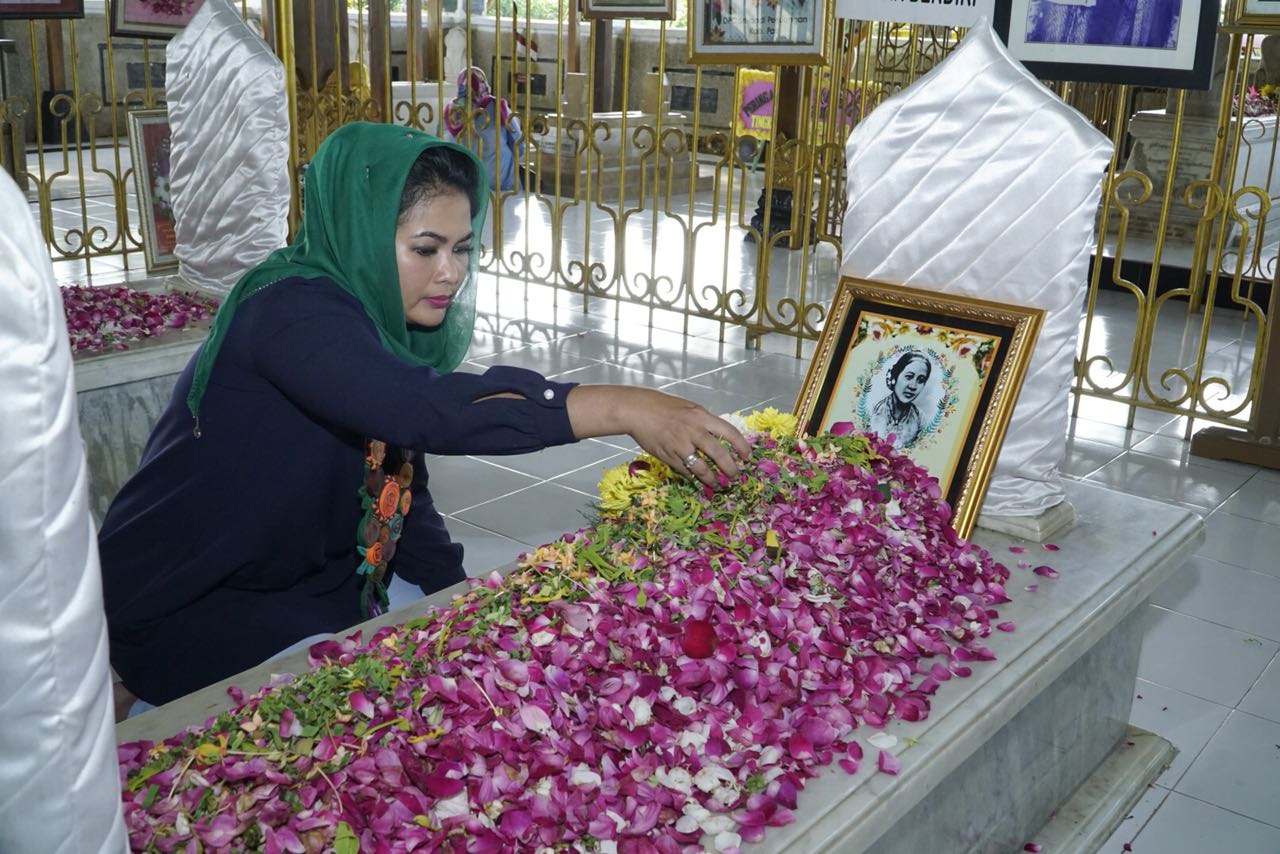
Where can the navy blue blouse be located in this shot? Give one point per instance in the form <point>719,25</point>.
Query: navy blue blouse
<point>224,549</point>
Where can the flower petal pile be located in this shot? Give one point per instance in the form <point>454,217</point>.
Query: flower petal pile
<point>108,318</point>
<point>663,681</point>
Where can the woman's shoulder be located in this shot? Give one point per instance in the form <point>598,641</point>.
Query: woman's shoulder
<point>293,299</point>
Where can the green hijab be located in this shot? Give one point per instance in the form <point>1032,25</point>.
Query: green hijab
<point>353,189</point>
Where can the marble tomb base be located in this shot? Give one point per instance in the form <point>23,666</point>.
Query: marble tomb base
<point>1001,750</point>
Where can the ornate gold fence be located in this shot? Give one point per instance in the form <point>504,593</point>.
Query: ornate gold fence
<point>636,184</point>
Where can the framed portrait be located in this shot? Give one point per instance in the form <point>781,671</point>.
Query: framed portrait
<point>32,9</point>
<point>151,19</point>
<point>658,10</point>
<point>756,32</point>
<point>935,374</point>
<point>1253,16</point>
<point>149,144</point>
<point>531,82</point>
<point>1161,43</point>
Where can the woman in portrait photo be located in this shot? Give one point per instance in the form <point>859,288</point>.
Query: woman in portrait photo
<point>896,413</point>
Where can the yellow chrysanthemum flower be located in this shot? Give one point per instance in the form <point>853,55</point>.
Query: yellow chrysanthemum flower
<point>620,484</point>
<point>777,424</point>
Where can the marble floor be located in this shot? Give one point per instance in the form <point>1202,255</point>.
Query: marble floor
<point>1209,677</point>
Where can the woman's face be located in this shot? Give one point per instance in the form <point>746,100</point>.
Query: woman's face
<point>911,381</point>
<point>433,243</point>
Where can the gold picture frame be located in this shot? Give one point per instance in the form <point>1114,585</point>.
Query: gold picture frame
<point>748,32</point>
<point>149,145</point>
<point>653,10</point>
<point>940,373</point>
<point>1253,16</point>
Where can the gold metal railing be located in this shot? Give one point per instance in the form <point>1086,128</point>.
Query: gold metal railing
<point>659,202</point>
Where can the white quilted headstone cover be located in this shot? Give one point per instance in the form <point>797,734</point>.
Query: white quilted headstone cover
<point>978,180</point>
<point>59,781</point>
<point>229,167</point>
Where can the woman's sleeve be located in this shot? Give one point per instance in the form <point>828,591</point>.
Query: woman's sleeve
<point>331,364</point>
<point>425,553</point>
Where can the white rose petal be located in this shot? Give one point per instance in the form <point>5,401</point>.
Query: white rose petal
<point>685,705</point>
<point>690,739</point>
<point>541,638</point>
<point>584,776</point>
<point>608,846</point>
<point>677,779</point>
<point>726,796</point>
<point>770,755</point>
<point>882,741</point>
<point>666,693</point>
<point>687,824</point>
<point>181,825</point>
<point>454,807</point>
<point>641,710</point>
<point>619,823</point>
<point>726,840</point>
<point>712,777</point>
<point>717,823</point>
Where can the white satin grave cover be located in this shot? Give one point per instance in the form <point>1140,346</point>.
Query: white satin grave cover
<point>977,180</point>
<point>59,781</point>
<point>229,167</point>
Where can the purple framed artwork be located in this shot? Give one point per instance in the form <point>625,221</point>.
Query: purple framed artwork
<point>42,9</point>
<point>151,19</point>
<point>1161,43</point>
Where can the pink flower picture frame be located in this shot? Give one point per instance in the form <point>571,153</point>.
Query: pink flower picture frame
<point>151,19</point>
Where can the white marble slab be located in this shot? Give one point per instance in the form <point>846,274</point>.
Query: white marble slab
<point>1120,550</point>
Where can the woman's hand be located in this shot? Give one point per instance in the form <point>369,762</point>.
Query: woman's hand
<point>677,431</point>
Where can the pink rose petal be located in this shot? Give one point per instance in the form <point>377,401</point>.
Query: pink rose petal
<point>1046,571</point>
<point>888,763</point>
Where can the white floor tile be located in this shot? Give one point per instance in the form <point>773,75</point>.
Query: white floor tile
<point>1176,449</point>
<point>1106,434</point>
<point>1258,499</point>
<point>461,482</point>
<point>1242,542</point>
<point>1168,480</point>
<point>717,400</point>
<point>553,462</point>
<point>1084,457</point>
<point>534,516</point>
<point>1201,659</point>
<point>1263,698</point>
<point>1187,722</point>
<point>1136,819</point>
<point>604,372</point>
<point>1185,825</point>
<point>587,479</point>
<point>483,551</point>
<point>1242,599</point>
<point>1239,769</point>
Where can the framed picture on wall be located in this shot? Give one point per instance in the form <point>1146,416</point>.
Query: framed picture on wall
<point>935,374</point>
<point>1253,16</point>
<point>41,8</point>
<point>526,81</point>
<point>661,10</point>
<point>151,19</point>
<point>149,144</point>
<point>1161,43</point>
<point>728,32</point>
